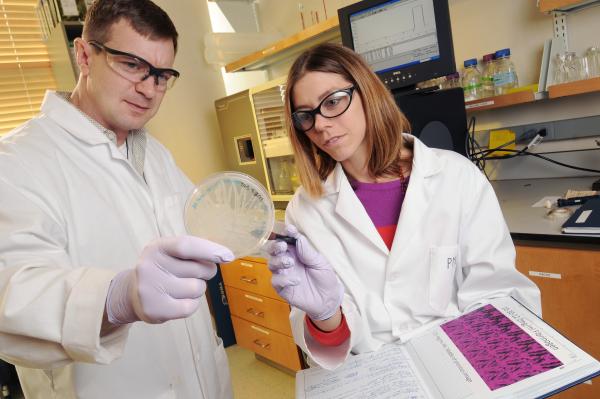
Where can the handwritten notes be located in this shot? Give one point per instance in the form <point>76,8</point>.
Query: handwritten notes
<point>384,374</point>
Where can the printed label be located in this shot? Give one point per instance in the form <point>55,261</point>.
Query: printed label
<point>504,79</point>
<point>545,275</point>
<point>481,104</point>
<point>584,216</point>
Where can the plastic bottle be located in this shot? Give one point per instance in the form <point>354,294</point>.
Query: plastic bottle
<point>488,67</point>
<point>471,80</point>
<point>505,76</point>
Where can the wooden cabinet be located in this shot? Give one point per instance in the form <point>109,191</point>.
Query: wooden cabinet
<point>569,280</point>
<point>260,317</point>
<point>288,47</point>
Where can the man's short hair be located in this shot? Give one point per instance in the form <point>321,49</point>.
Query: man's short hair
<point>146,18</point>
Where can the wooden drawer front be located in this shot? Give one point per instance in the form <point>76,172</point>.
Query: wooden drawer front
<point>568,280</point>
<point>261,310</point>
<point>267,343</point>
<point>249,276</point>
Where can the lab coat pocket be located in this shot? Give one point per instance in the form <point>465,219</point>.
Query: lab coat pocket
<point>442,269</point>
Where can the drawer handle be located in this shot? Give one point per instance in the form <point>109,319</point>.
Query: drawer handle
<point>249,280</point>
<point>260,330</point>
<point>263,346</point>
<point>253,298</point>
<point>254,312</point>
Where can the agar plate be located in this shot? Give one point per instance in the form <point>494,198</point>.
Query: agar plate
<point>232,209</point>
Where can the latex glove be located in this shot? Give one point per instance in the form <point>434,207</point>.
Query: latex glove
<point>167,282</point>
<point>303,277</point>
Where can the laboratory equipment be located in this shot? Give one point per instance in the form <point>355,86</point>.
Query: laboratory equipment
<point>487,76</point>
<point>471,80</point>
<point>231,209</point>
<point>404,42</point>
<point>452,81</point>
<point>505,74</point>
<point>592,55</point>
<point>255,138</point>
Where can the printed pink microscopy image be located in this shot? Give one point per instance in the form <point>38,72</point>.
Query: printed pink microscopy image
<point>499,350</point>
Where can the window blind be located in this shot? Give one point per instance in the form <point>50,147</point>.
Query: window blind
<point>25,70</point>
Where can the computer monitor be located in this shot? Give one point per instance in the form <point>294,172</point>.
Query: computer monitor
<point>404,41</point>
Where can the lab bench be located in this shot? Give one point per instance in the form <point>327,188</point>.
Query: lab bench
<point>565,267</point>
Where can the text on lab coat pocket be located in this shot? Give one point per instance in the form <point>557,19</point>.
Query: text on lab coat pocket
<point>442,269</point>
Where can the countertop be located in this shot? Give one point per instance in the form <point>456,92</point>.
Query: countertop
<point>527,223</point>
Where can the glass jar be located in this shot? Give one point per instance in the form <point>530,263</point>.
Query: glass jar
<point>471,80</point>
<point>505,74</point>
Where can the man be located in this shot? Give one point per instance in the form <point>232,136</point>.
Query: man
<point>91,231</point>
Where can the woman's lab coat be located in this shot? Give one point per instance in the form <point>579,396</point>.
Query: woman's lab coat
<point>73,213</point>
<point>451,250</point>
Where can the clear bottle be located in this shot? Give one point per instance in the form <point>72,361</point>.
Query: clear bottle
<point>284,181</point>
<point>505,76</point>
<point>295,178</point>
<point>452,81</point>
<point>488,67</point>
<point>471,80</point>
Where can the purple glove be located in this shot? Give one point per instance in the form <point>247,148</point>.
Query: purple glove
<point>167,282</point>
<point>303,277</point>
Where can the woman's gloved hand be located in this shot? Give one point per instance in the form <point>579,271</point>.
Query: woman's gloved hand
<point>167,282</point>
<point>303,277</point>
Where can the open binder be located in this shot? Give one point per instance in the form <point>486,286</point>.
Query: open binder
<point>499,350</point>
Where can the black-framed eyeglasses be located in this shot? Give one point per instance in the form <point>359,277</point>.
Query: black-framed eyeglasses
<point>333,105</point>
<point>136,69</point>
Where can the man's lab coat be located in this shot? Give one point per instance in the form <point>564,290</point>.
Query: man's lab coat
<point>452,249</point>
<point>73,213</point>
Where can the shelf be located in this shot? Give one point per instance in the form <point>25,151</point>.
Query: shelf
<point>288,47</point>
<point>574,88</point>
<point>565,5</point>
<point>505,100</point>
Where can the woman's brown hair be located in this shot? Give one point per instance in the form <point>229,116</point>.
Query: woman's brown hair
<point>385,122</point>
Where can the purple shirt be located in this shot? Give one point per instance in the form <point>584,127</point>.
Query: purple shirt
<point>383,202</point>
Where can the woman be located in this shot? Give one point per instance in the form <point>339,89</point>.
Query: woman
<point>391,235</point>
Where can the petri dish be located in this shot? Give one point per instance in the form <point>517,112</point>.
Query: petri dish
<point>232,209</point>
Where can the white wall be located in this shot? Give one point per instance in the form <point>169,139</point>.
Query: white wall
<point>186,122</point>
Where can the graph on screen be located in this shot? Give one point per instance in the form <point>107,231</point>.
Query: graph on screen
<point>397,33</point>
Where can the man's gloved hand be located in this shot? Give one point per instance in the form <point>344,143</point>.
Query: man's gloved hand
<point>167,282</point>
<point>303,277</point>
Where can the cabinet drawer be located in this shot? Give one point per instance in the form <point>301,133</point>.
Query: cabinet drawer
<point>568,280</point>
<point>270,344</point>
<point>249,276</point>
<point>258,309</point>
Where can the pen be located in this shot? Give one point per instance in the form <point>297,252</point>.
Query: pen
<point>575,200</point>
<point>281,237</point>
